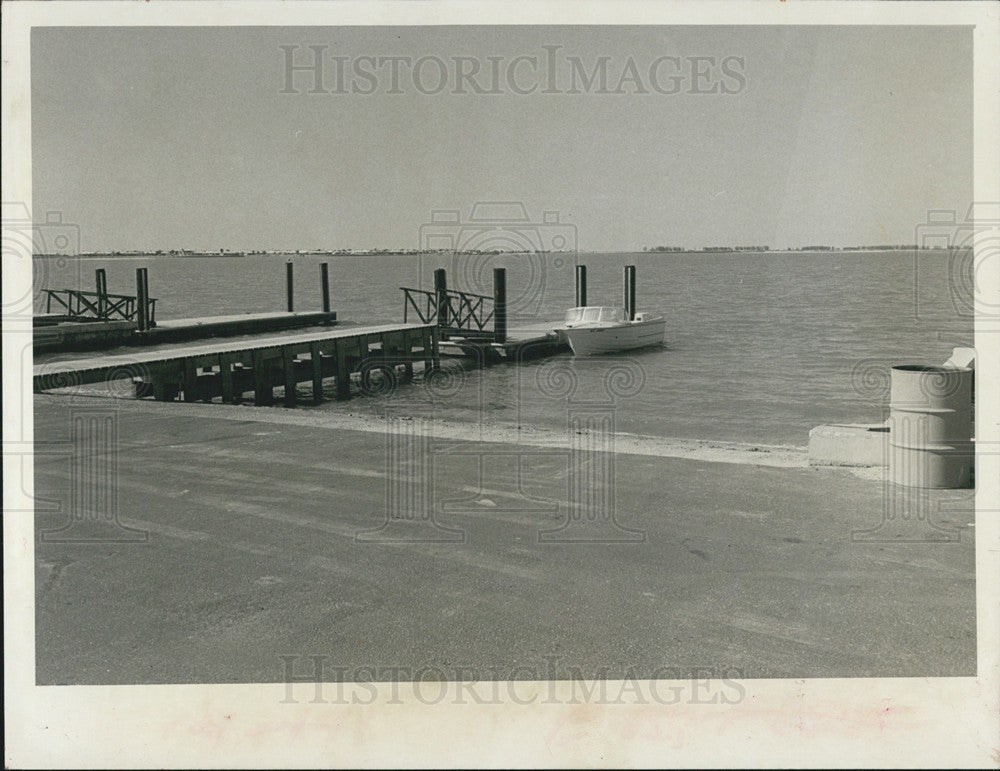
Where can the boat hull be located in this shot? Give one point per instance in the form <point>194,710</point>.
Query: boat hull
<point>588,341</point>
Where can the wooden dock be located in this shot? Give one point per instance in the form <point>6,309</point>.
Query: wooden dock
<point>459,324</point>
<point>60,333</point>
<point>230,368</point>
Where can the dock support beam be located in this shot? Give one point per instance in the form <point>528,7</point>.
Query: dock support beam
<point>435,350</point>
<point>343,374</point>
<point>628,284</point>
<point>190,381</point>
<point>581,286</point>
<point>226,378</point>
<point>289,286</point>
<point>316,362</point>
<point>142,298</point>
<point>164,390</point>
<point>428,354</point>
<point>238,382</point>
<point>288,367</point>
<point>500,305</point>
<point>263,390</point>
<point>324,280</point>
<point>441,296</point>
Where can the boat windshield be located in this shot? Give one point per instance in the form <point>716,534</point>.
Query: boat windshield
<point>595,313</point>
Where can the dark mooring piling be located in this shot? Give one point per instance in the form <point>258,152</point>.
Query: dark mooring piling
<point>581,286</point>
<point>499,305</point>
<point>142,298</point>
<point>628,290</point>
<point>324,280</point>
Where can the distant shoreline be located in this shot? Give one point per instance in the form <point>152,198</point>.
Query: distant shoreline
<point>438,253</point>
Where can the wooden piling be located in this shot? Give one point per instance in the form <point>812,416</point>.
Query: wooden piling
<point>408,356</point>
<point>316,361</point>
<point>435,349</point>
<point>324,279</point>
<point>263,389</point>
<point>343,374</point>
<point>190,380</point>
<point>150,323</point>
<point>441,296</point>
<point>142,298</point>
<point>628,290</point>
<point>581,286</point>
<point>101,279</point>
<point>288,368</point>
<point>164,390</point>
<point>289,286</point>
<point>226,378</point>
<point>425,344</point>
<point>207,385</point>
<point>238,382</point>
<point>500,305</point>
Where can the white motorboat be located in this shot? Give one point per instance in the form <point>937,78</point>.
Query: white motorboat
<point>604,329</point>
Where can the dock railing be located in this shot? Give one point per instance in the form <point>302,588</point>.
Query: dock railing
<point>97,305</point>
<point>458,313</point>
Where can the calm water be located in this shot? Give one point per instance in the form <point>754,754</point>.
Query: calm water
<point>760,347</point>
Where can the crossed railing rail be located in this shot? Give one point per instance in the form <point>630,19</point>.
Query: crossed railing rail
<point>97,305</point>
<point>460,313</point>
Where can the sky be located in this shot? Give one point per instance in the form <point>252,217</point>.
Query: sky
<point>181,138</point>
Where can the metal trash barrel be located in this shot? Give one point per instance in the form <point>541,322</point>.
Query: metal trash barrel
<point>930,426</point>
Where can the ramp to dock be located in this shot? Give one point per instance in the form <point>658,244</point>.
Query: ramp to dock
<point>229,368</point>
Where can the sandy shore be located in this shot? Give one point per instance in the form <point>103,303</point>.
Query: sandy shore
<point>372,417</point>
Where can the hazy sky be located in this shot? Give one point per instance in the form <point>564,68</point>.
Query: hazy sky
<point>160,138</point>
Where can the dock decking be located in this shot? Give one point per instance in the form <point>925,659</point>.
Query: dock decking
<point>230,368</point>
<point>64,333</point>
<point>521,344</point>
